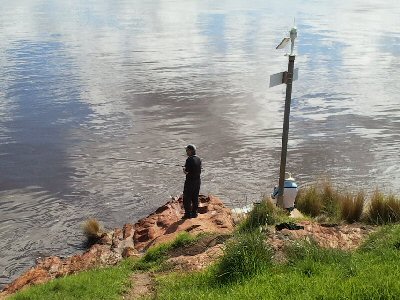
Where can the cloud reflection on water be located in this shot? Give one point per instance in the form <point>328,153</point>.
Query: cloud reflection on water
<point>94,80</point>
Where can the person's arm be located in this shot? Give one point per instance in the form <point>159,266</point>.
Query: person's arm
<point>188,166</point>
<point>184,170</point>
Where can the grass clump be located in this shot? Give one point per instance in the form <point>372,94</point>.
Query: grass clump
<point>325,202</point>
<point>330,200</point>
<point>263,213</point>
<point>309,202</point>
<point>384,240</point>
<point>383,209</point>
<point>155,256</point>
<point>351,207</point>
<point>245,255</point>
<point>92,229</point>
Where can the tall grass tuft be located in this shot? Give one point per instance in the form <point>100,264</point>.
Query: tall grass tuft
<point>383,210</point>
<point>331,200</point>
<point>263,213</point>
<point>393,204</point>
<point>320,200</point>
<point>92,229</point>
<point>245,255</point>
<point>309,202</point>
<point>351,207</point>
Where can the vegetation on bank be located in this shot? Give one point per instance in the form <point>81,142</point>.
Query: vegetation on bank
<point>263,213</point>
<point>155,256</point>
<point>102,283</point>
<point>247,271</point>
<point>325,203</point>
<point>311,272</point>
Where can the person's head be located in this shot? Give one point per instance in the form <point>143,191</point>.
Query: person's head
<point>190,149</point>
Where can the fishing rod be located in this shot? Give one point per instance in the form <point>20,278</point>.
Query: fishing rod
<point>134,160</point>
<point>145,161</point>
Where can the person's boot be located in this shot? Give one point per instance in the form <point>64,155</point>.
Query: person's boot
<point>193,214</point>
<point>186,216</point>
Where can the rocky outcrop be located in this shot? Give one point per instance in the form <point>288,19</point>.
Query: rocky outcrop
<point>161,226</point>
<point>165,223</point>
<point>54,266</point>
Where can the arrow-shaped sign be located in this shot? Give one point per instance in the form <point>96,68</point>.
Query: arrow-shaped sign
<point>279,78</point>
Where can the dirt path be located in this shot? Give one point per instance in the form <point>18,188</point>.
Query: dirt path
<point>193,257</point>
<point>142,285</point>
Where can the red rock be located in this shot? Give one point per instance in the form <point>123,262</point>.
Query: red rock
<point>128,231</point>
<point>33,276</point>
<point>129,252</point>
<point>166,225</point>
<point>159,227</point>
<point>105,239</point>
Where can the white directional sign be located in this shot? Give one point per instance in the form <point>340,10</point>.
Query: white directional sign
<point>283,44</point>
<point>279,78</point>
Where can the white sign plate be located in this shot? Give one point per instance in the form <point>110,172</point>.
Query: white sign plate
<point>277,79</point>
<point>283,44</point>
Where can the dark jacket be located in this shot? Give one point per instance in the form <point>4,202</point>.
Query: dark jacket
<point>193,167</point>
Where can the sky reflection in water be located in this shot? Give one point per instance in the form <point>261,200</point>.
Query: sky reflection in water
<point>85,82</point>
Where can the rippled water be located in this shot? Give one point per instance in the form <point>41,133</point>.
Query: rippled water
<point>86,81</point>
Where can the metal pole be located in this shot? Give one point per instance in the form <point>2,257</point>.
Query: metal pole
<point>285,134</point>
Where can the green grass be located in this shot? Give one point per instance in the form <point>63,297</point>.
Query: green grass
<point>308,202</point>
<point>155,256</point>
<point>325,203</point>
<point>351,207</point>
<point>330,198</point>
<point>104,283</point>
<point>383,209</point>
<point>312,272</point>
<point>245,255</point>
<point>320,200</point>
<point>263,213</point>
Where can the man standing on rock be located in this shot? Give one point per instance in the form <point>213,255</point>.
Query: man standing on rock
<point>191,190</point>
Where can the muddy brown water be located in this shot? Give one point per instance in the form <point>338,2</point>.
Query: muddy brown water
<point>86,81</point>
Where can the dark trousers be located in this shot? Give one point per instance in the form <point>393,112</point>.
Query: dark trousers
<point>191,195</point>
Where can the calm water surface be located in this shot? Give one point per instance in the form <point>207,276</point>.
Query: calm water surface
<point>86,81</point>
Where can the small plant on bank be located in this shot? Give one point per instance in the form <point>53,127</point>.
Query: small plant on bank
<point>309,202</point>
<point>331,201</point>
<point>263,213</point>
<point>383,210</point>
<point>322,201</point>
<point>92,229</point>
<point>393,204</point>
<point>351,207</point>
<point>246,255</point>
